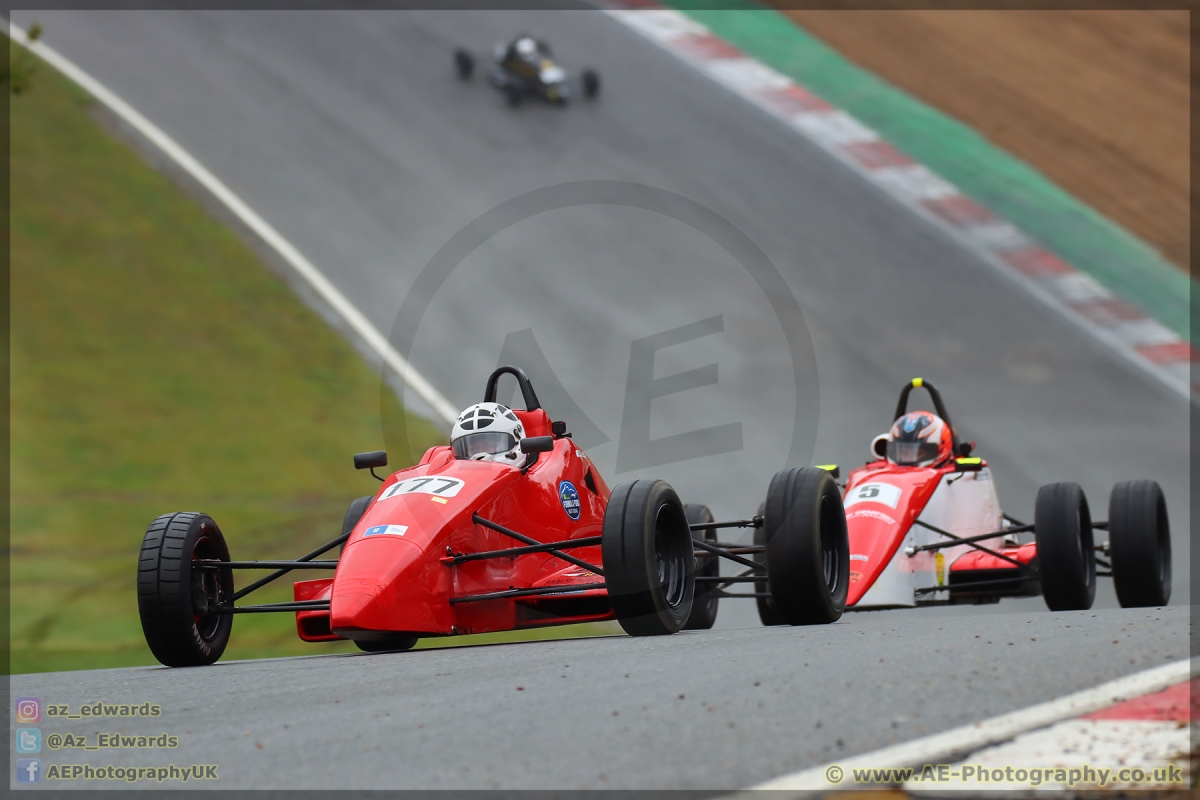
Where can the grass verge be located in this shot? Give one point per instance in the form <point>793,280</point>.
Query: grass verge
<point>156,366</point>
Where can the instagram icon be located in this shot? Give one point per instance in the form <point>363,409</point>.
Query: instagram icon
<point>29,709</point>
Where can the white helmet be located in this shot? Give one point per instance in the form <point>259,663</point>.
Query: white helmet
<point>488,432</point>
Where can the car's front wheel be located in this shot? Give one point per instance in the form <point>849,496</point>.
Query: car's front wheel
<point>1066,555</point>
<point>181,594</point>
<point>387,644</point>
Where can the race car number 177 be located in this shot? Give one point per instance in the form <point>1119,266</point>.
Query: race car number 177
<point>433,484</point>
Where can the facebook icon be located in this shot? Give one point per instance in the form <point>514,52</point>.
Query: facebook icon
<point>29,770</point>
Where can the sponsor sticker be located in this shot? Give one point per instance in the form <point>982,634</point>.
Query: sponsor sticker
<point>385,530</point>
<point>855,576</point>
<point>858,557</point>
<point>871,513</point>
<point>940,563</point>
<point>874,492</point>
<point>569,496</point>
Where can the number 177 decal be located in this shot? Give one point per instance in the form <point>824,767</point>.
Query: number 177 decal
<point>434,484</point>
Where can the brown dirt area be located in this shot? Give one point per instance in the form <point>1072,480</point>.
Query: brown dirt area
<point>1096,100</point>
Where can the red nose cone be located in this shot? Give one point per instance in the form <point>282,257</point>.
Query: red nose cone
<point>386,583</point>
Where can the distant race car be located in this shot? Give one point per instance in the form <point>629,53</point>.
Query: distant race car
<point>525,68</point>
<point>455,546</point>
<point>926,527</point>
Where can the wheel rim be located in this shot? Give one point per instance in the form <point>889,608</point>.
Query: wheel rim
<point>670,569</point>
<point>208,582</point>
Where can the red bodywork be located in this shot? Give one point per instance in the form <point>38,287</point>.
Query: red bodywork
<point>880,524</point>
<point>395,574</point>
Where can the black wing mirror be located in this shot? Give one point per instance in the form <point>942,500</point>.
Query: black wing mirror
<point>371,460</point>
<point>537,444</point>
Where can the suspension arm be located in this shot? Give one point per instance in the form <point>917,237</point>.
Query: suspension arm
<point>478,520</point>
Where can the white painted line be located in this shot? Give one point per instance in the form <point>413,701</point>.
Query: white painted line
<point>941,747</point>
<point>746,75</point>
<point>315,278</point>
<point>834,128</point>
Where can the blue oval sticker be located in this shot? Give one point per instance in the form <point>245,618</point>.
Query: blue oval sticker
<point>570,499</point>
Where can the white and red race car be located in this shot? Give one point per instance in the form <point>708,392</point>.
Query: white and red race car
<point>930,530</point>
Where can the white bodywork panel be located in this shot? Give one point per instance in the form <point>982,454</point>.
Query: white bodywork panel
<point>964,504</point>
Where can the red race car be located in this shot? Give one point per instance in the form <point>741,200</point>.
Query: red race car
<point>509,527</point>
<point>926,528</point>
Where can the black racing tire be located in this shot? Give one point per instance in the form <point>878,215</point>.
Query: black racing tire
<point>512,96</point>
<point>808,547</point>
<point>766,606</point>
<point>464,64</point>
<point>647,551</point>
<point>354,513</point>
<point>175,597</point>
<point>1066,553</point>
<point>1140,544</point>
<point>390,644</point>
<point>591,83</point>
<point>705,601</point>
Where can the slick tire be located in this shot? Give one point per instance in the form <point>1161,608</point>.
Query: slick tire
<point>705,600</point>
<point>1140,542</point>
<point>591,83</point>
<point>175,595</point>
<point>512,96</point>
<point>464,64</point>
<point>353,514</point>
<point>388,644</point>
<point>649,566</point>
<point>808,548</point>
<point>1066,556</point>
<point>766,605</point>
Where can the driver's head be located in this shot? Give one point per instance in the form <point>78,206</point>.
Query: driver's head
<point>488,432</point>
<point>526,47</point>
<point>919,439</point>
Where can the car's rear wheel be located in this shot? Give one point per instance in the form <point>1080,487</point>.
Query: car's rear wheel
<point>762,599</point>
<point>808,547</point>
<point>706,599</point>
<point>464,64</point>
<point>591,83</point>
<point>1066,554</point>
<point>649,565</point>
<point>1140,544</point>
<point>178,596</point>
<point>388,644</point>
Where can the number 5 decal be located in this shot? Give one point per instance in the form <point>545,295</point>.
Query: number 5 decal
<point>434,484</point>
<point>882,493</point>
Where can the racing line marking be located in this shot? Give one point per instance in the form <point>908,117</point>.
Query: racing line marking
<point>1140,340</point>
<point>950,745</point>
<point>286,250</point>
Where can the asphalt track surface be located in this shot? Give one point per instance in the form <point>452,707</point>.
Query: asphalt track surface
<point>348,133</point>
